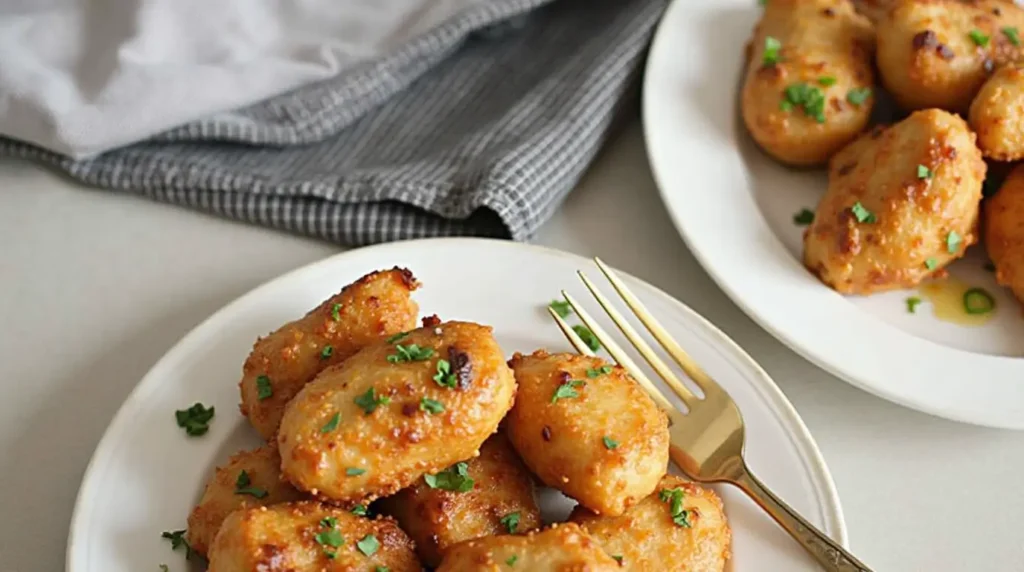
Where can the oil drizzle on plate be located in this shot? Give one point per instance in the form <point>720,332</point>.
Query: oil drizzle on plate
<point>946,297</point>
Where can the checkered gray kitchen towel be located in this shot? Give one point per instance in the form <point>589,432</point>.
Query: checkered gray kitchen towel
<point>479,127</point>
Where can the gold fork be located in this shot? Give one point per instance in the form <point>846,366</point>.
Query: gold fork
<point>706,442</point>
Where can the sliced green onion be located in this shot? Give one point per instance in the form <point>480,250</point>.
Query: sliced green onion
<point>978,301</point>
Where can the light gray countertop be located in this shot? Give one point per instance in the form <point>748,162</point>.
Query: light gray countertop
<point>96,286</point>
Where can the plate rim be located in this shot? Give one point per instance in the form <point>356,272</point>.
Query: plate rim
<point>797,430</point>
<point>930,390</point>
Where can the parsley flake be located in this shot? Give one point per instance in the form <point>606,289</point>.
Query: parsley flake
<point>1012,35</point>
<point>328,522</point>
<point>354,471</point>
<point>826,80</point>
<point>674,497</point>
<point>618,558</point>
<point>329,539</point>
<point>567,390</point>
<point>588,337</point>
<point>953,241</point>
<point>369,401</point>
<point>382,569</point>
<point>807,97</point>
<point>923,172</point>
<point>177,538</point>
<point>263,388</point>
<point>444,376</point>
<point>979,38</point>
<point>195,420</point>
<point>431,406</point>
<point>455,478</point>
<point>397,337</point>
<point>326,352</point>
<point>599,371</point>
<point>242,486</point>
<point>411,352</point>
<point>331,424</point>
<point>804,217</point>
<point>511,522</point>
<point>931,263</point>
<point>863,214</point>
<point>336,312</point>
<point>858,95</point>
<point>561,307</point>
<point>512,560</point>
<point>368,545</point>
<point>359,510</point>
<point>772,49</point>
<point>609,443</point>
<point>912,303</point>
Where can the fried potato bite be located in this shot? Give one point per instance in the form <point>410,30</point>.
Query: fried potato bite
<point>500,501</point>
<point>679,528</point>
<point>1004,232</point>
<point>309,537</point>
<point>561,548</point>
<point>396,410</point>
<point>901,204</point>
<point>809,80</point>
<point>249,479</point>
<point>374,307</point>
<point>938,53</point>
<point>586,428</point>
<point>997,114</point>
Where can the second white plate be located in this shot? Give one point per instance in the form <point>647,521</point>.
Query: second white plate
<point>734,207</point>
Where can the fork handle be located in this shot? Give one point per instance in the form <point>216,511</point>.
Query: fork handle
<point>826,551</point>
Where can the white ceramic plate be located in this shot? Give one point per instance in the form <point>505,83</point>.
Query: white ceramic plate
<point>734,207</point>
<point>146,475</point>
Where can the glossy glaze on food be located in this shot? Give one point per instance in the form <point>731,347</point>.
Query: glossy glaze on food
<point>901,204</point>
<point>938,53</point>
<point>223,495</point>
<point>586,428</point>
<point>561,548</point>
<point>309,537</point>
<point>281,364</point>
<point>649,537</point>
<point>824,52</point>
<point>1004,232</point>
<point>501,501</point>
<point>361,430</point>
<point>997,114</point>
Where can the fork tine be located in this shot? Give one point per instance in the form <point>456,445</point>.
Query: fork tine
<point>692,369</point>
<point>620,356</point>
<point>574,339</point>
<point>641,346</point>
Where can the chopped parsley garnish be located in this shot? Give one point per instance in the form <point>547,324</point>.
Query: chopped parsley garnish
<point>164,568</point>
<point>826,80</point>
<point>931,263</point>
<point>567,390</point>
<point>609,443</point>
<point>561,307</point>
<point>397,337</point>
<point>369,402</point>
<point>599,371</point>
<point>411,352</point>
<point>382,569</point>
<point>1012,35</point>
<point>674,497</point>
<point>195,420</point>
<point>263,388</point>
<point>331,424</point>
<point>588,337</point>
<point>336,312</point>
<point>177,538</point>
<point>444,376</point>
<point>326,352</point>
<point>863,214</point>
<point>331,538</point>
<point>368,545</point>
<point>455,478</point>
<point>923,172</point>
<point>512,560</point>
<point>979,38</point>
<point>804,217</point>
<point>953,241</point>
<point>359,510</point>
<point>243,486</point>
<point>807,97</point>
<point>912,303</point>
<point>328,522</point>
<point>618,558</point>
<point>510,521</point>
<point>858,95</point>
<point>431,406</point>
<point>978,301</point>
<point>354,471</point>
<point>771,55</point>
